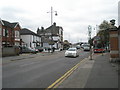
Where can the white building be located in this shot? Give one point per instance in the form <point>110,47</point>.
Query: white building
<point>29,38</point>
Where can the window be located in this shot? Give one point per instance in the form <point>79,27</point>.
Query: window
<point>3,32</point>
<point>17,34</point>
<point>0,31</point>
<point>7,33</point>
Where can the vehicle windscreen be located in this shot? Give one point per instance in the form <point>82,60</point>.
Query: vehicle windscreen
<point>86,45</point>
<point>72,49</point>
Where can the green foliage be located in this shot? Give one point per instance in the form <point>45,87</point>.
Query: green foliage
<point>104,25</point>
<point>103,32</point>
<point>66,44</point>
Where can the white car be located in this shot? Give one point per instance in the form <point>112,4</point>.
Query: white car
<point>73,52</point>
<point>86,47</point>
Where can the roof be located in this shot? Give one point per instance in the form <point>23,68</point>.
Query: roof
<point>8,24</point>
<point>26,31</point>
<point>51,29</point>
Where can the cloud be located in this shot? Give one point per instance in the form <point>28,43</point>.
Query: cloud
<point>73,15</point>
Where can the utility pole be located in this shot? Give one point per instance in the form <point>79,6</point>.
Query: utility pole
<point>89,34</point>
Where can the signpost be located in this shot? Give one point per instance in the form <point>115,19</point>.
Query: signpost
<point>89,34</point>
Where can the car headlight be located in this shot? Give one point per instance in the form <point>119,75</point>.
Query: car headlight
<point>66,52</point>
<point>74,53</point>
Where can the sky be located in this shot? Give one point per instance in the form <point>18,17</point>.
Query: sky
<point>74,16</point>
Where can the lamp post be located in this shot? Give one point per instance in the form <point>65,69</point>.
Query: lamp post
<point>51,12</point>
<point>89,34</point>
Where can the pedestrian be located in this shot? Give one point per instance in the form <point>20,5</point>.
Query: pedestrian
<point>53,49</point>
<point>48,49</point>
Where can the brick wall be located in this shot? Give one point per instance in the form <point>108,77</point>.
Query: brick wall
<point>114,44</point>
<point>0,40</point>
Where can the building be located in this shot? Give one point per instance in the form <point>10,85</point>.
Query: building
<point>51,36</point>
<point>29,38</point>
<point>119,39</point>
<point>0,38</point>
<point>10,33</point>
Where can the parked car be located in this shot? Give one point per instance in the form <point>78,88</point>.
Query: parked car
<point>39,48</point>
<point>71,52</point>
<point>98,50</point>
<point>28,50</point>
<point>35,50</point>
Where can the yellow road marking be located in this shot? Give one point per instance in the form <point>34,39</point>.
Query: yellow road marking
<point>61,79</point>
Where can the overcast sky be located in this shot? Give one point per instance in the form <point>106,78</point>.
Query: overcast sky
<point>73,15</point>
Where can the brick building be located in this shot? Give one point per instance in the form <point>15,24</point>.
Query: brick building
<point>119,40</point>
<point>10,33</point>
<point>0,39</point>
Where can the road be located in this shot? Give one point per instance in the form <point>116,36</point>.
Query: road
<point>38,72</point>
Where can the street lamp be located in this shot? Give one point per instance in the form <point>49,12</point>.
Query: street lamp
<point>51,12</point>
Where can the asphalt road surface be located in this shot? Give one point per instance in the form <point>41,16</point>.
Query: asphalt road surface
<point>38,72</point>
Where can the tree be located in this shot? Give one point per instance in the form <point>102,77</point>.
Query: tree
<point>104,25</point>
<point>103,33</point>
<point>66,44</point>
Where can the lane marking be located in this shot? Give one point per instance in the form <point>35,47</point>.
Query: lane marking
<point>67,74</point>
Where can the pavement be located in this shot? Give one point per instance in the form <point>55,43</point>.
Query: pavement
<point>28,55</point>
<point>96,73</point>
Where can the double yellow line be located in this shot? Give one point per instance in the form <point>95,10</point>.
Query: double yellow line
<point>61,79</point>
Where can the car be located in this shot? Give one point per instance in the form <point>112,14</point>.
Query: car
<point>39,48</point>
<point>28,50</point>
<point>98,50</point>
<point>71,52</point>
<point>78,46</point>
<point>86,47</point>
<point>34,49</point>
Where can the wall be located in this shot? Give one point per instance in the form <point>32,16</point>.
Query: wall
<point>27,39</point>
<point>0,39</point>
<point>0,55</point>
<point>46,45</point>
<point>10,51</point>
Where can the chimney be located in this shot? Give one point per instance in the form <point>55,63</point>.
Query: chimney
<point>54,24</point>
<point>42,28</point>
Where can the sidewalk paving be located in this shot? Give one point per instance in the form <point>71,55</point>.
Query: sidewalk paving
<point>96,73</point>
<point>28,55</point>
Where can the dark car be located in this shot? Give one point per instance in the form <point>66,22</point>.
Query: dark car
<point>40,49</point>
<point>28,50</point>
